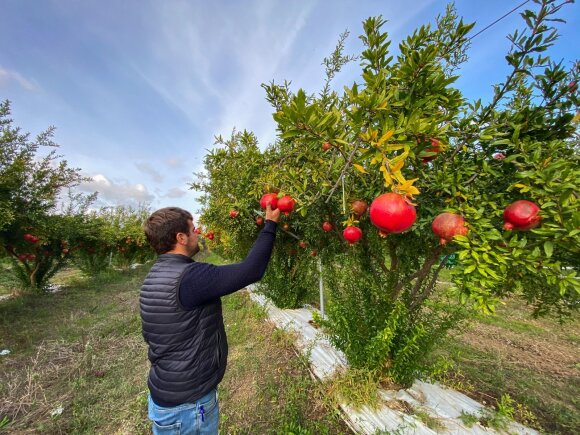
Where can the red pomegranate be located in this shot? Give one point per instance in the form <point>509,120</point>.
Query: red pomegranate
<point>285,227</point>
<point>302,244</point>
<point>314,253</point>
<point>197,230</point>
<point>434,148</point>
<point>390,213</point>
<point>326,226</point>
<point>259,220</point>
<point>448,225</point>
<point>23,257</point>
<point>272,197</point>
<point>286,204</point>
<point>521,215</point>
<point>352,234</point>
<point>325,146</point>
<point>359,207</point>
<point>234,214</point>
<point>30,238</point>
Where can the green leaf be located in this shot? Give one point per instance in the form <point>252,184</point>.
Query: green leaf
<point>290,133</point>
<point>549,248</point>
<point>469,269</point>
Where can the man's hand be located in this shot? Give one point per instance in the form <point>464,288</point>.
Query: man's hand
<point>272,215</point>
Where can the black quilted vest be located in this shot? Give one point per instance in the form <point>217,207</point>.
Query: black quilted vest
<point>187,349</point>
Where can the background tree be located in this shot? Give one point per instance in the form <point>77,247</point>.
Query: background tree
<point>32,233</point>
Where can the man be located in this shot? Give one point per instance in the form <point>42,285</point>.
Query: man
<point>182,321</point>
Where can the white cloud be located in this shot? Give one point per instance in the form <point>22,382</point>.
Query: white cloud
<point>117,192</point>
<point>175,192</point>
<point>146,168</point>
<point>7,76</point>
<point>174,163</point>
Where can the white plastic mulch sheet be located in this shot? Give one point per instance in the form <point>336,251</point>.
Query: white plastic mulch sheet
<point>442,403</point>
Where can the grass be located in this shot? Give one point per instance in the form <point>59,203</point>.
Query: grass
<point>534,361</point>
<point>267,388</point>
<point>8,282</point>
<point>78,365</point>
<point>81,349</point>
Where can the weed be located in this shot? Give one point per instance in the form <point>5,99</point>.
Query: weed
<point>468,419</point>
<point>427,419</point>
<point>355,387</point>
<point>505,406</point>
<point>492,419</point>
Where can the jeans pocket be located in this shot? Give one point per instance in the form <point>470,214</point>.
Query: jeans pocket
<point>211,403</point>
<point>172,429</point>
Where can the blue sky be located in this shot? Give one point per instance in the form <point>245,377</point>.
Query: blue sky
<point>138,88</point>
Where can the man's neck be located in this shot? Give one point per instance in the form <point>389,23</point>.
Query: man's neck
<point>179,251</point>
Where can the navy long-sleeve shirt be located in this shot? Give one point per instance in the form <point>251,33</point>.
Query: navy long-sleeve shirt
<point>203,282</point>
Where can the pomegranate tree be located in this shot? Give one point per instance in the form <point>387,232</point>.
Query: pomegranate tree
<point>401,113</point>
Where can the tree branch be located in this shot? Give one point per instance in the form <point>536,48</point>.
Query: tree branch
<point>429,289</point>
<point>419,274</point>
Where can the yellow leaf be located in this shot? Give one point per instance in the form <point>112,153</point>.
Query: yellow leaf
<point>412,190</point>
<point>400,157</point>
<point>519,185</point>
<point>400,178</point>
<point>377,158</point>
<point>370,136</point>
<point>397,166</point>
<point>387,176</point>
<point>394,147</point>
<point>385,137</point>
<point>409,183</point>
<point>360,168</point>
<point>576,118</point>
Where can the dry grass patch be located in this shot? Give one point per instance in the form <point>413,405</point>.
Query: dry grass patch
<point>535,361</point>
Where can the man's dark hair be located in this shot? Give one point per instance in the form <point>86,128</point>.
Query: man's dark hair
<point>162,227</point>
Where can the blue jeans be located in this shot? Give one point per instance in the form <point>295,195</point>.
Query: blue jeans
<point>201,417</point>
